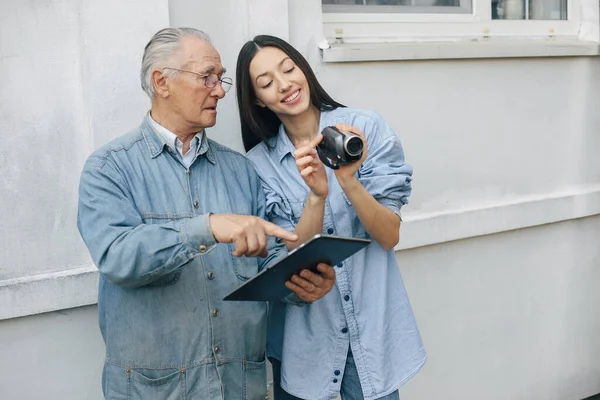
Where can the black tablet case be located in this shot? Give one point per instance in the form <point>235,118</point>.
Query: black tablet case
<point>269,284</point>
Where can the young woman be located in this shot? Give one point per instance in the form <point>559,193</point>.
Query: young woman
<point>361,339</point>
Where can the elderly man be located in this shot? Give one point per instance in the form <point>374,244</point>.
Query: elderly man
<point>173,222</point>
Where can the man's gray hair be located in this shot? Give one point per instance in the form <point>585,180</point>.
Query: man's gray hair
<point>160,50</point>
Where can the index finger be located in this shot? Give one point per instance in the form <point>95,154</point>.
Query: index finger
<point>306,149</point>
<point>274,230</point>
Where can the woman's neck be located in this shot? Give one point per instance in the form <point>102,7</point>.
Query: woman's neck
<point>302,128</point>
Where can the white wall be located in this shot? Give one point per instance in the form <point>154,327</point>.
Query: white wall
<point>481,131</point>
<point>57,355</point>
<point>71,83</point>
<point>508,316</point>
<point>500,240</point>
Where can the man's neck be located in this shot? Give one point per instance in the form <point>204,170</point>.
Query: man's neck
<point>184,132</point>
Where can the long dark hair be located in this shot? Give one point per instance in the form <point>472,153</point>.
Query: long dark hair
<point>260,123</point>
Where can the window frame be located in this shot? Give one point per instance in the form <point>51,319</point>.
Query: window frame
<point>465,8</point>
<point>372,27</point>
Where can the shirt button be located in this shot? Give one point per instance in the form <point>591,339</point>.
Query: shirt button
<point>217,349</point>
<point>215,312</point>
<point>335,381</point>
<point>196,204</point>
<point>330,230</point>
<point>211,275</point>
<point>202,248</point>
<point>344,330</point>
<point>340,265</point>
<point>346,297</point>
<point>189,172</point>
<point>336,372</point>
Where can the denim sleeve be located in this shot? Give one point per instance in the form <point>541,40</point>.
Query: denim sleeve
<point>272,208</point>
<point>384,173</point>
<point>276,210</point>
<point>126,250</point>
<point>276,249</point>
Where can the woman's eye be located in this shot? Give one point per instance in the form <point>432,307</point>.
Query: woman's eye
<point>290,70</point>
<point>267,85</point>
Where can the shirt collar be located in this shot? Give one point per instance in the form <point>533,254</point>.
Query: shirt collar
<point>283,145</point>
<point>156,142</point>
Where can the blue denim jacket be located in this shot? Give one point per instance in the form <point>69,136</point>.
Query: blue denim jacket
<point>144,218</point>
<point>368,310</point>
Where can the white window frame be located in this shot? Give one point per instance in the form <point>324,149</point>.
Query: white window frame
<point>464,8</point>
<point>370,27</point>
<point>357,36</point>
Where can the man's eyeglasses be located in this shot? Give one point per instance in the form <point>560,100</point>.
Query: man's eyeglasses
<point>210,80</point>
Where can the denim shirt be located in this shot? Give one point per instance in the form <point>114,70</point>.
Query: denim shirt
<point>368,309</point>
<point>144,217</point>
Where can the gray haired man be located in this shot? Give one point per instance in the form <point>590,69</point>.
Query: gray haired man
<point>174,221</point>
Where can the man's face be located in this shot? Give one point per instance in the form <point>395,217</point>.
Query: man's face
<point>194,104</point>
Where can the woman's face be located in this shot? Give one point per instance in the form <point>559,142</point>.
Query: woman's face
<point>278,83</point>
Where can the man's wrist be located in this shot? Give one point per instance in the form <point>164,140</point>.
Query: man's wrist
<point>209,222</point>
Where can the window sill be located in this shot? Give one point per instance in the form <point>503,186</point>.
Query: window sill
<point>357,52</point>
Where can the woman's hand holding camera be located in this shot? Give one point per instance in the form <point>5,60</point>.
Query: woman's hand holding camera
<point>347,172</point>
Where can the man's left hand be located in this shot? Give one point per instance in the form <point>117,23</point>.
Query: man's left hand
<point>310,286</point>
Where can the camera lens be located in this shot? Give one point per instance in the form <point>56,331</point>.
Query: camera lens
<point>354,145</point>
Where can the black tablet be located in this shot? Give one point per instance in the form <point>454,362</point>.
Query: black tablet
<point>269,284</point>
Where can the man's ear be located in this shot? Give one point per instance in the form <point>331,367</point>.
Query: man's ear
<point>159,81</point>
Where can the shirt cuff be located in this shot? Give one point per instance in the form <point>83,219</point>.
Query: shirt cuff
<point>393,206</point>
<point>197,234</point>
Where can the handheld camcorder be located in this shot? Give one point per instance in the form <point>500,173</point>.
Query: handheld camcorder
<point>338,147</point>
